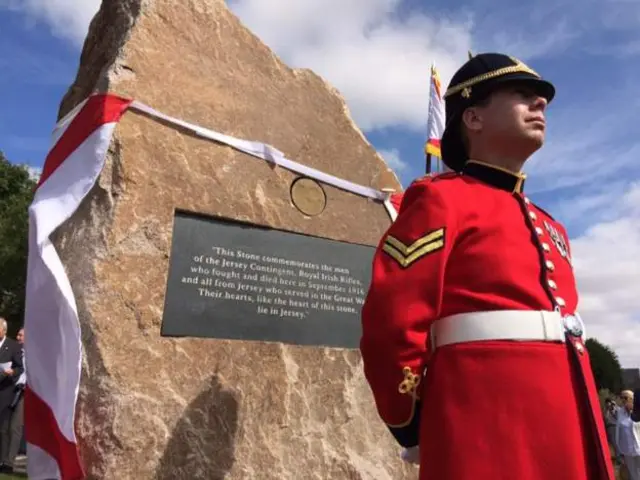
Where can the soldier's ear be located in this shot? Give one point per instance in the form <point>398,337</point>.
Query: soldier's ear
<point>472,119</point>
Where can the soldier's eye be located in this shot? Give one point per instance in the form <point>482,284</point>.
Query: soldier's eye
<point>524,92</point>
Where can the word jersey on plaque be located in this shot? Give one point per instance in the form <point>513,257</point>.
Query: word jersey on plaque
<point>235,280</point>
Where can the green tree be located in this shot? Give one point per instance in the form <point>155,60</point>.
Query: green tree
<point>16,194</point>
<point>605,366</point>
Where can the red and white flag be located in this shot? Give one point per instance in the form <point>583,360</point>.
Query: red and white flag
<point>53,347</point>
<point>53,350</point>
<point>395,200</point>
<point>435,122</point>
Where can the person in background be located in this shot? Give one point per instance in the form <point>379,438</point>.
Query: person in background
<point>11,368</point>
<point>635,413</point>
<point>17,416</point>
<point>628,436</point>
<point>610,422</point>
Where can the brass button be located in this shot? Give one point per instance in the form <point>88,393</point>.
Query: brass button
<point>546,248</point>
<point>550,266</point>
<point>552,284</point>
<point>560,301</point>
<point>533,215</point>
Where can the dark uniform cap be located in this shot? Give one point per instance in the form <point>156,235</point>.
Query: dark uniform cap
<point>472,83</point>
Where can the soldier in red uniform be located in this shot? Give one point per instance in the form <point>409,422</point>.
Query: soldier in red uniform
<point>471,341</point>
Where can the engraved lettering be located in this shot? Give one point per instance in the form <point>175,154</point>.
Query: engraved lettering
<point>296,287</point>
<point>232,280</point>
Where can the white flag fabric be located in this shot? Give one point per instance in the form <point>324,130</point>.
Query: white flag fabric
<point>53,351</point>
<point>436,119</point>
<point>393,203</point>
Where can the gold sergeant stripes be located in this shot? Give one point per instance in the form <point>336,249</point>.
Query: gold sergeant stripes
<point>405,255</point>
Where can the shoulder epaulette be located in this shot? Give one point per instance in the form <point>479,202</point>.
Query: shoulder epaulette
<point>446,175</point>
<point>434,177</point>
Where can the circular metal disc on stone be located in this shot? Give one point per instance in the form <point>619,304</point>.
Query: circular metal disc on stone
<point>308,196</point>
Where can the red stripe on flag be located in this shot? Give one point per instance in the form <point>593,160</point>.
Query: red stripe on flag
<point>41,426</point>
<point>41,429</point>
<point>435,142</point>
<point>98,110</point>
<point>396,200</point>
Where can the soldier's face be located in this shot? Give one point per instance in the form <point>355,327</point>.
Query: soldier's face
<point>514,114</point>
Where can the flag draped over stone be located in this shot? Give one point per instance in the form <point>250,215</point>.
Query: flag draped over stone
<point>53,352</point>
<point>54,349</point>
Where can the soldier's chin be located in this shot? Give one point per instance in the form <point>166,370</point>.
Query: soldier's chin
<point>535,139</point>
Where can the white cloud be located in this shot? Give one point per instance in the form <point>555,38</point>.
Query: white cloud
<point>545,33</point>
<point>588,171</point>
<point>392,157</point>
<point>34,172</point>
<point>379,60</point>
<point>591,141</point>
<point>556,27</point>
<point>592,206</point>
<point>358,51</point>
<point>608,274</point>
<point>378,53</point>
<point>68,19</point>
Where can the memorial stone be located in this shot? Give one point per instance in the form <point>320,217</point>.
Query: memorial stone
<point>219,295</point>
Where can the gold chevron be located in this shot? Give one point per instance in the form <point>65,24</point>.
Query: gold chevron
<point>406,255</point>
<point>408,249</point>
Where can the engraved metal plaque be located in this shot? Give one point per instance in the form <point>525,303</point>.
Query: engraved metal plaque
<point>233,280</point>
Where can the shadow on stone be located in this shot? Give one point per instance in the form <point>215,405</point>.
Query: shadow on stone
<point>202,444</point>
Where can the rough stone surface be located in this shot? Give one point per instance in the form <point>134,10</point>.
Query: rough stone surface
<point>153,407</point>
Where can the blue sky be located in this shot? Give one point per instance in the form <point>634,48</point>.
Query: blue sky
<point>378,54</point>
<point>36,68</point>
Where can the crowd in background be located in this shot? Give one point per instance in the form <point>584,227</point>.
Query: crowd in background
<point>622,415</point>
<point>622,421</point>
<point>13,378</point>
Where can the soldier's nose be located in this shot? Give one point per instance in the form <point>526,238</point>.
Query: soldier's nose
<point>540,103</point>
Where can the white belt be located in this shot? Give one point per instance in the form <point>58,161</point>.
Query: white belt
<point>517,325</point>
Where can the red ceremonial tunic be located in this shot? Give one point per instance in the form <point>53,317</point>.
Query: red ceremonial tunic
<point>525,410</point>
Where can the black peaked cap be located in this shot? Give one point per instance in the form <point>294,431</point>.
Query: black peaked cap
<point>473,82</point>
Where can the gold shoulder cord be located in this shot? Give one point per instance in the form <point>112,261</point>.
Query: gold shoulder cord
<point>410,382</point>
